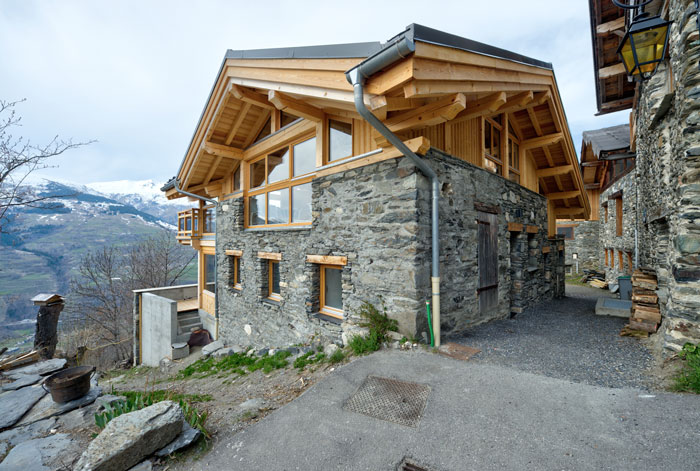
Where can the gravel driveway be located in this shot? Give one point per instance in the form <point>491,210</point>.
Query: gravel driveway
<point>564,339</point>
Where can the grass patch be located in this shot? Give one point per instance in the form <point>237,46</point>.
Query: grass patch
<point>159,395</point>
<point>238,363</point>
<point>336,357</point>
<point>688,379</point>
<point>575,280</point>
<point>309,358</point>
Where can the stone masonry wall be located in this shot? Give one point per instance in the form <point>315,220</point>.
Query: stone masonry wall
<point>586,245</point>
<point>379,217</point>
<point>526,274</point>
<point>368,214</point>
<point>608,230</point>
<point>668,167</point>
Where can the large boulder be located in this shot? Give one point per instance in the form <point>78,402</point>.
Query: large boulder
<point>129,438</point>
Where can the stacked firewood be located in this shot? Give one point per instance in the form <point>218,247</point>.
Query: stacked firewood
<point>645,313</point>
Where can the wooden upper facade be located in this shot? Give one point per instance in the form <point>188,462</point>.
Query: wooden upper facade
<point>294,107</point>
<point>606,157</point>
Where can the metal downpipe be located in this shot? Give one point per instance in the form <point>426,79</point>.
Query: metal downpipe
<point>356,78</point>
<point>216,271</point>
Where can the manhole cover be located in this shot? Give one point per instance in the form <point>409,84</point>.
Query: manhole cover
<point>388,399</point>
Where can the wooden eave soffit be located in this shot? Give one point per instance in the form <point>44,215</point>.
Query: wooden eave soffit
<point>296,107</point>
<point>542,141</point>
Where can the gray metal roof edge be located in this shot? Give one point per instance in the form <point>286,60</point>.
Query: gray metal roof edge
<point>328,51</point>
<point>593,137</point>
<point>434,36</point>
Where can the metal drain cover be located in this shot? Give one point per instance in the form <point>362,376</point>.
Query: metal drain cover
<point>389,399</point>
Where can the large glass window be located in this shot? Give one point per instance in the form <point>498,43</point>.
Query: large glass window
<point>283,192</point>
<point>256,210</point>
<point>331,290</point>
<point>237,179</point>
<point>210,273</point>
<point>301,203</point>
<point>339,140</point>
<point>210,220</point>
<point>305,157</point>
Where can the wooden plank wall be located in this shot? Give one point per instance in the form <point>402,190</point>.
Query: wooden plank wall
<point>464,141</point>
<point>362,140</point>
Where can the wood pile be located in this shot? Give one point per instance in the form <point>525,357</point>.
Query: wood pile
<point>645,315</point>
<point>21,359</point>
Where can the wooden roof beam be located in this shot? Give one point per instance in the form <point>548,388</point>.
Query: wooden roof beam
<point>431,88</point>
<point>552,171</point>
<point>568,211</point>
<point>257,127</point>
<point>249,96</point>
<point>563,195</point>
<point>433,113</point>
<point>212,171</point>
<point>483,106</point>
<point>595,163</point>
<point>610,26</point>
<point>296,107</point>
<point>542,141</point>
<point>517,102</point>
<point>237,124</point>
<point>611,71</point>
<point>223,151</point>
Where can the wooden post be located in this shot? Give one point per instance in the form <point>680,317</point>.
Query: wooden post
<point>46,336</point>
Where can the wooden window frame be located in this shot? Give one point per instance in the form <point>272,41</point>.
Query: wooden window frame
<point>323,309</point>
<point>488,121</point>
<point>620,260</point>
<point>606,258</point>
<point>236,277</point>
<point>513,139</point>
<point>327,139</point>
<point>568,226</point>
<point>618,217</point>
<point>270,269</point>
<point>287,184</point>
<point>207,251</point>
<point>612,258</point>
<point>630,262</point>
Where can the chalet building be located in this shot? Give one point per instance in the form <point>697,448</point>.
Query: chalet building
<point>664,120</point>
<point>427,169</point>
<point>606,241</point>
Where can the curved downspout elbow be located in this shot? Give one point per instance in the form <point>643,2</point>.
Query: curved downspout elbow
<point>356,78</point>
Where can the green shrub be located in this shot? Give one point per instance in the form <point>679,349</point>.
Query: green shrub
<point>361,345</point>
<point>688,379</point>
<point>336,357</point>
<point>270,362</point>
<point>309,358</point>
<point>377,321</point>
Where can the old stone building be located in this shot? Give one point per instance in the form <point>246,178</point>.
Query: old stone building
<point>665,121</point>
<point>428,170</point>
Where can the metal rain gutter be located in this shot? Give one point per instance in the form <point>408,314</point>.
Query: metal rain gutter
<point>357,76</point>
<point>176,185</point>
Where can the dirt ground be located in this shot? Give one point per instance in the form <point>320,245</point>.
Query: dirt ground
<point>228,391</point>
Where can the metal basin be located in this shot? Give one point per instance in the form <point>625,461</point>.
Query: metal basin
<point>69,384</point>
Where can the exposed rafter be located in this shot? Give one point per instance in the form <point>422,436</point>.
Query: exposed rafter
<point>483,106</point>
<point>542,141</point>
<point>293,106</point>
<point>550,172</point>
<point>563,195</point>
<point>237,124</point>
<point>517,102</point>
<point>223,151</point>
<point>249,96</point>
<point>433,113</point>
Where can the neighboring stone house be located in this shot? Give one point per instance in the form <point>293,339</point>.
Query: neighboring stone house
<point>665,122</point>
<point>606,241</point>
<point>310,205</point>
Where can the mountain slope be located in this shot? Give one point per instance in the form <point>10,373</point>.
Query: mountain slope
<point>44,246</point>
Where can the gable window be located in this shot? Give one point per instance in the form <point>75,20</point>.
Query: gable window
<point>339,140</point>
<point>513,159</point>
<point>273,280</point>
<point>280,186</point>
<point>331,290</point>
<point>493,160</point>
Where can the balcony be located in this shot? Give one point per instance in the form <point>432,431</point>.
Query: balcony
<point>188,226</point>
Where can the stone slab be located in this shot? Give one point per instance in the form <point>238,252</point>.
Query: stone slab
<point>20,381</point>
<point>47,408</point>
<point>42,368</point>
<point>212,347</point>
<point>188,436</point>
<point>17,435</point>
<point>613,307</point>
<point>144,466</point>
<point>40,454</point>
<point>14,404</point>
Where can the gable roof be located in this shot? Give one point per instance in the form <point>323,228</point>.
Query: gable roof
<point>607,139</point>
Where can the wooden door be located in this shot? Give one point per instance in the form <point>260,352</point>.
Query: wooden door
<point>487,288</point>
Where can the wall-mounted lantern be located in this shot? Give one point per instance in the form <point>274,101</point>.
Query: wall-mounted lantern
<point>644,45</point>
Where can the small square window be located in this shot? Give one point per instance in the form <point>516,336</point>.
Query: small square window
<point>331,290</point>
<point>273,280</point>
<point>236,272</point>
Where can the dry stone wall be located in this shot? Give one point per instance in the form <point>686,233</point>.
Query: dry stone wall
<point>624,189</point>
<point>585,246</point>
<point>668,168</point>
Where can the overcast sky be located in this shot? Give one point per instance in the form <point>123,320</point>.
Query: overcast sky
<point>134,75</point>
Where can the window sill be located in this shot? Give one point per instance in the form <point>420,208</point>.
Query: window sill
<point>273,229</point>
<point>327,318</point>
<point>272,301</point>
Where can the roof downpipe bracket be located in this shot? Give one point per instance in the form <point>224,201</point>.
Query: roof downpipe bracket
<point>397,50</point>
